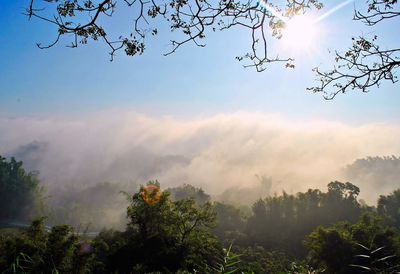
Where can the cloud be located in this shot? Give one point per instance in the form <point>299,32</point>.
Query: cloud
<point>215,152</point>
<point>374,173</point>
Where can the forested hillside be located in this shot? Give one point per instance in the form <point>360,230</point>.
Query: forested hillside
<point>181,230</point>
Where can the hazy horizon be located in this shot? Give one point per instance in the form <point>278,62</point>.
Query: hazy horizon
<point>216,153</point>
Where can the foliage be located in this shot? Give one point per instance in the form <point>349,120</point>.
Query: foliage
<point>182,235</point>
<point>229,263</point>
<point>389,208</point>
<point>331,249</point>
<point>302,268</point>
<point>258,260</point>
<point>191,19</point>
<point>230,223</point>
<point>373,262</point>
<point>40,251</point>
<point>20,191</point>
<point>188,191</point>
<point>365,64</point>
<point>282,222</point>
<point>163,235</point>
<point>337,248</point>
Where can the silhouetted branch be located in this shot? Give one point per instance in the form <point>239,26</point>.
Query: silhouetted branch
<point>365,64</point>
<point>83,20</point>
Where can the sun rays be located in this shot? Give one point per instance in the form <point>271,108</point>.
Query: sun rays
<point>302,32</point>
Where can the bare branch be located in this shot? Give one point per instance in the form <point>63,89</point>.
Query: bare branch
<point>193,19</point>
<point>365,64</point>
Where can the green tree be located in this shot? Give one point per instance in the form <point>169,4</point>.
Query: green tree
<point>331,248</point>
<point>188,191</point>
<point>340,202</point>
<point>341,248</point>
<point>282,222</point>
<point>166,235</point>
<point>389,208</point>
<point>39,250</point>
<point>20,191</point>
<point>230,224</point>
<point>258,260</point>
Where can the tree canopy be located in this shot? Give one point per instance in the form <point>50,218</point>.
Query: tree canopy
<point>180,235</point>
<point>165,235</point>
<point>295,216</point>
<point>20,192</point>
<point>364,65</point>
<point>366,246</point>
<point>388,206</point>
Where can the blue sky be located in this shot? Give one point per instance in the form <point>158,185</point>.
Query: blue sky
<point>77,117</point>
<point>193,81</point>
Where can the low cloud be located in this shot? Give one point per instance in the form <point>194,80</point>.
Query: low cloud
<point>216,152</point>
<point>374,175</point>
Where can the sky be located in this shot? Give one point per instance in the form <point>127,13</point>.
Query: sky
<point>194,81</point>
<point>178,117</point>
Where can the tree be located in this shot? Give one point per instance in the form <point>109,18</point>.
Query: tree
<point>188,191</point>
<point>282,222</point>
<point>39,250</point>
<point>257,260</point>
<point>20,191</point>
<point>83,21</point>
<point>341,248</point>
<point>230,223</point>
<point>331,249</point>
<point>389,208</point>
<point>365,64</point>
<point>165,235</point>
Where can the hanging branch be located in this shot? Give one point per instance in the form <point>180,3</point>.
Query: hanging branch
<point>83,20</point>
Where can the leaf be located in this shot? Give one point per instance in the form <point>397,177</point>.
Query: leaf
<point>385,258</point>
<point>360,266</point>
<point>378,249</point>
<point>363,246</point>
<point>232,264</point>
<point>363,256</point>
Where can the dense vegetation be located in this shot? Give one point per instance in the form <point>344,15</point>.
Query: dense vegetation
<point>180,230</point>
<point>20,192</point>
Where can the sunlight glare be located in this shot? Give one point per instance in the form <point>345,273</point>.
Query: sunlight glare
<point>301,33</point>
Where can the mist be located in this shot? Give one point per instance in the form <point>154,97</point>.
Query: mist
<point>374,173</point>
<point>217,153</point>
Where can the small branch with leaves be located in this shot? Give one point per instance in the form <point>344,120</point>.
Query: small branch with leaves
<point>365,64</point>
<point>84,20</point>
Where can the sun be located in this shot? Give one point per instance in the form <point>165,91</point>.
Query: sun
<point>301,33</point>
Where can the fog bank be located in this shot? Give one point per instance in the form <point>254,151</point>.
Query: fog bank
<point>216,152</point>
